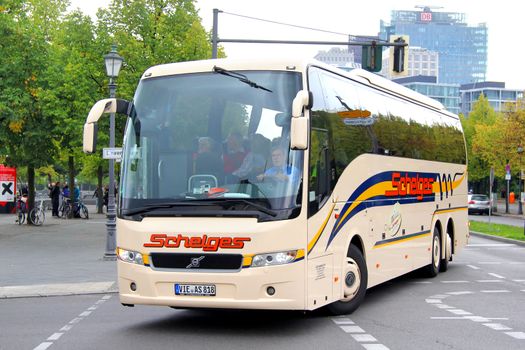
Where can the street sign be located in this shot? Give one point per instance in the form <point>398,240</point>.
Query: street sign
<point>7,184</point>
<point>112,153</point>
<point>507,176</point>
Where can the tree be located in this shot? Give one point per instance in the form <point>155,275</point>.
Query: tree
<point>481,118</point>
<point>27,27</point>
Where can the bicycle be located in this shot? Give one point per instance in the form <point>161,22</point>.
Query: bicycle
<point>65,209</point>
<point>21,210</point>
<point>82,210</point>
<point>37,215</point>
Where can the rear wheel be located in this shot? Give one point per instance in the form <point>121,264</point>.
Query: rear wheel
<point>433,268</point>
<point>448,254</point>
<point>355,283</point>
<point>37,217</point>
<point>21,217</point>
<point>84,212</point>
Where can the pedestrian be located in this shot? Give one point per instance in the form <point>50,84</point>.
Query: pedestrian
<point>54,193</point>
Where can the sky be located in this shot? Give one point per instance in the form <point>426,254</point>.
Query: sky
<point>503,19</point>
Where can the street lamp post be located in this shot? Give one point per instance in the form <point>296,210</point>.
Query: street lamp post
<point>520,208</point>
<point>113,63</point>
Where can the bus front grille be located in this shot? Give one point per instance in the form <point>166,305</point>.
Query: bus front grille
<point>196,261</point>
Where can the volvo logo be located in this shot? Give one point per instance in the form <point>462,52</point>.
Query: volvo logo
<point>195,262</point>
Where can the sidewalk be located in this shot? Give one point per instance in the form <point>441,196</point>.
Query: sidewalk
<point>61,257</point>
<point>513,209</point>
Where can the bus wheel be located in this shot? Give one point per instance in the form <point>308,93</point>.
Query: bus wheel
<point>433,267</point>
<point>355,281</point>
<point>448,254</point>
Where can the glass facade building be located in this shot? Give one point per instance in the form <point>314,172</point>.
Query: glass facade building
<point>447,94</point>
<point>499,97</point>
<point>462,48</point>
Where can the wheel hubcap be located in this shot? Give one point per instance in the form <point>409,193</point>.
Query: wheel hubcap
<point>352,279</point>
<point>437,253</point>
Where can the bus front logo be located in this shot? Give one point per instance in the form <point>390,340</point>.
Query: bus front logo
<point>195,262</point>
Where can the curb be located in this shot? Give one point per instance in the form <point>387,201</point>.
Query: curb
<point>498,238</point>
<point>59,289</point>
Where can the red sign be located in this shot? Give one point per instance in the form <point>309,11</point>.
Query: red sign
<point>426,16</point>
<point>7,185</point>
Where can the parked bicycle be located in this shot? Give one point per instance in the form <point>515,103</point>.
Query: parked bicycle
<point>37,215</point>
<point>21,209</point>
<point>78,209</point>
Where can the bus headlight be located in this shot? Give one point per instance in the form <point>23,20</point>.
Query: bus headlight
<point>130,256</point>
<point>278,258</point>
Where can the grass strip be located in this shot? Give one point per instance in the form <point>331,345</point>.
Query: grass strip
<point>506,231</point>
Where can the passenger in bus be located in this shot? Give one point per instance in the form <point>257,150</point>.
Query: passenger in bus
<point>280,172</point>
<point>255,161</point>
<point>208,161</point>
<point>233,156</point>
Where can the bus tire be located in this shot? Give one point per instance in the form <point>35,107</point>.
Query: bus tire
<point>448,253</point>
<point>433,268</point>
<point>355,280</point>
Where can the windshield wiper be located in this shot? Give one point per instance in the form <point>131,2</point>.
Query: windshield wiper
<point>252,204</point>
<point>241,77</point>
<point>155,206</point>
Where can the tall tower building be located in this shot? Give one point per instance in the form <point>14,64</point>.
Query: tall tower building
<point>462,48</point>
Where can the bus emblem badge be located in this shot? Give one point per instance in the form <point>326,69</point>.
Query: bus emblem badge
<point>195,262</point>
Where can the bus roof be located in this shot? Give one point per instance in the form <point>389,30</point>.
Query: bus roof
<point>293,64</point>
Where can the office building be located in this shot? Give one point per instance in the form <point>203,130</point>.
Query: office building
<point>336,56</point>
<point>462,48</point>
<point>421,61</point>
<point>447,94</point>
<point>499,97</point>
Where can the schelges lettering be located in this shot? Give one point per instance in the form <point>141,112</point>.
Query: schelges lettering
<point>207,244</point>
<point>406,185</point>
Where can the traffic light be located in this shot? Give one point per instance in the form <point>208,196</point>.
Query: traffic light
<point>399,55</point>
<point>371,58</point>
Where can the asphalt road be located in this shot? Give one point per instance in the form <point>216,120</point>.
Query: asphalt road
<point>477,304</point>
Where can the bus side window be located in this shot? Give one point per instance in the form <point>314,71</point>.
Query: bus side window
<point>319,184</point>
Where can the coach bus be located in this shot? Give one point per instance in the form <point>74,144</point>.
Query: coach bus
<point>281,184</point>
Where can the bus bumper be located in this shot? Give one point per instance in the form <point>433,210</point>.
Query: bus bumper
<point>244,289</point>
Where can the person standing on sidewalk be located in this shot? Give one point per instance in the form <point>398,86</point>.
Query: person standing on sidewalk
<point>55,197</point>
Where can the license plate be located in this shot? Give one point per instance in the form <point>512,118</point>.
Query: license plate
<point>195,289</point>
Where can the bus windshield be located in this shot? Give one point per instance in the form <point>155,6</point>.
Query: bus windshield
<point>212,144</point>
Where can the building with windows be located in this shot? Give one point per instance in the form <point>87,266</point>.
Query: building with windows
<point>336,56</point>
<point>498,96</point>
<point>462,48</point>
<point>421,61</point>
<point>447,94</point>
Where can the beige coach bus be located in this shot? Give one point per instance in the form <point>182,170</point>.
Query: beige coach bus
<point>281,184</point>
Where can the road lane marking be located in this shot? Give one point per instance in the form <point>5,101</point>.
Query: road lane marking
<point>517,335</point>
<point>459,312</point>
<point>375,347</point>
<point>465,315</point>
<point>342,320</point>
<point>352,329</point>
<point>489,281</point>
<point>363,338</point>
<point>43,346</point>
<point>358,333</point>
<point>497,326</point>
<point>490,263</point>
<point>496,275</point>
<point>55,336</point>
<point>461,292</point>
<point>455,282</point>
<point>473,267</point>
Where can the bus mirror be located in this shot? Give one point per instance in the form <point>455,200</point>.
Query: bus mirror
<point>301,100</point>
<point>90,137</point>
<point>107,105</point>
<point>299,133</point>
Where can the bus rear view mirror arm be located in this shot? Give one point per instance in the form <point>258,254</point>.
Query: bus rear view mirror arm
<point>108,105</point>
<point>299,127</point>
